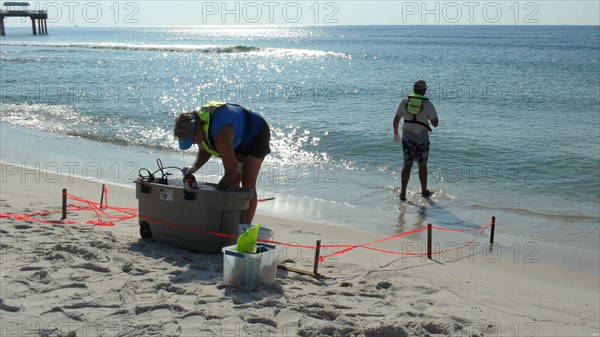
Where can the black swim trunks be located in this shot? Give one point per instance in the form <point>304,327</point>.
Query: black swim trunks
<point>259,146</point>
<point>415,151</point>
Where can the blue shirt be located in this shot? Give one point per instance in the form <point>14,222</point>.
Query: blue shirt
<point>236,117</point>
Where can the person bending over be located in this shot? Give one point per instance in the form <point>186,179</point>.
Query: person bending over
<point>235,134</point>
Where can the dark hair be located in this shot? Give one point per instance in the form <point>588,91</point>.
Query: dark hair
<point>181,129</point>
<point>420,91</point>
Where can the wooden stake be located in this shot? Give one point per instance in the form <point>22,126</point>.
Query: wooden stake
<point>64,204</point>
<point>493,229</point>
<point>317,253</point>
<point>299,271</point>
<point>314,273</point>
<point>102,197</point>
<point>429,241</point>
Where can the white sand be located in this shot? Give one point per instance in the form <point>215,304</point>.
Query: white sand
<point>86,280</point>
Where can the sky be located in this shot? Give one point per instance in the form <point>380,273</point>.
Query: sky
<point>274,12</point>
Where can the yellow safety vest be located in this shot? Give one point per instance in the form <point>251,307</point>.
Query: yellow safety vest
<point>205,113</point>
<point>414,105</point>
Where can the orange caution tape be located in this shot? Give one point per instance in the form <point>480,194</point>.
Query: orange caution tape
<point>101,210</point>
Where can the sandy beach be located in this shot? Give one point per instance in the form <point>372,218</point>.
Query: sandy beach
<point>88,280</point>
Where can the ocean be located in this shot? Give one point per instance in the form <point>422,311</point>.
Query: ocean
<point>519,110</point>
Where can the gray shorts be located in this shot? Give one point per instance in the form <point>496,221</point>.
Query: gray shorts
<point>418,152</point>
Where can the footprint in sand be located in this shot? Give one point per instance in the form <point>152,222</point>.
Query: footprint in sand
<point>95,267</point>
<point>262,320</point>
<point>7,307</point>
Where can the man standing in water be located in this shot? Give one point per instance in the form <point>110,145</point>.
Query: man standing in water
<point>417,111</point>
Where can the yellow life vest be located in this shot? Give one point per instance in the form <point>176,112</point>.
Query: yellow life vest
<point>414,105</point>
<point>205,113</point>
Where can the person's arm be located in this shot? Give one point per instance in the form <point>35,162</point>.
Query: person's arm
<point>433,117</point>
<point>224,145</point>
<point>395,124</point>
<point>202,158</point>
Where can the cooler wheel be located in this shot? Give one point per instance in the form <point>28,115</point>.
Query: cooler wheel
<point>145,231</point>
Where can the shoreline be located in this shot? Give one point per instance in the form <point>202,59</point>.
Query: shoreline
<point>372,208</point>
<point>510,247</point>
<point>55,153</point>
<point>84,274</point>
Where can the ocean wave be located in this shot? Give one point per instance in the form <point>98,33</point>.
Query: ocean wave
<point>44,117</point>
<point>54,118</point>
<point>67,120</point>
<point>141,47</point>
<point>187,48</point>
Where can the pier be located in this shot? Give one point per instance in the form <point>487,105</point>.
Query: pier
<point>19,9</point>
